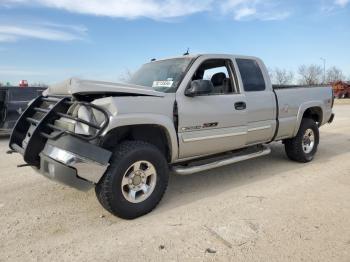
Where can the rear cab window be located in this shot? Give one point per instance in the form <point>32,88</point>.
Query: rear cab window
<point>251,74</point>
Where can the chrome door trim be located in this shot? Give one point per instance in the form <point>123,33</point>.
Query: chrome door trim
<point>186,140</point>
<point>259,128</point>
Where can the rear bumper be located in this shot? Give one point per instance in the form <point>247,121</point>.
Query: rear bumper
<point>331,118</point>
<point>73,162</point>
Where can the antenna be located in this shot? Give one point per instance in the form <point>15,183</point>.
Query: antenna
<point>187,52</point>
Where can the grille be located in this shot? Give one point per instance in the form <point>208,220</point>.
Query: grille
<point>37,124</point>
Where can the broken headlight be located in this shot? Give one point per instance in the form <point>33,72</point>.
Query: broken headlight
<point>82,114</point>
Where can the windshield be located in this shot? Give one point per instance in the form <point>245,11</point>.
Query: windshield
<point>163,76</point>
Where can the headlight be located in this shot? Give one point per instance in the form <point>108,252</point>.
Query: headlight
<point>85,113</point>
<point>82,112</point>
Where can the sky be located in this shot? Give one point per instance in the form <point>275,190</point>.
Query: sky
<point>50,40</point>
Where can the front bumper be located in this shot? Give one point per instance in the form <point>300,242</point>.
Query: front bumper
<point>63,174</point>
<point>56,152</point>
<point>73,162</point>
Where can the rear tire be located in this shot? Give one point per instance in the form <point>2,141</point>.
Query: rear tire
<point>303,147</point>
<point>135,181</point>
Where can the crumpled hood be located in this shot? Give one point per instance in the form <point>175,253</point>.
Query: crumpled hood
<point>74,86</point>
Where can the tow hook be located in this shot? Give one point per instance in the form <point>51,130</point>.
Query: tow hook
<point>9,152</point>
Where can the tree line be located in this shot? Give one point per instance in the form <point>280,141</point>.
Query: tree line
<point>35,84</point>
<point>307,75</point>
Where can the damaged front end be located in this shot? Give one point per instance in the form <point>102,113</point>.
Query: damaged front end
<point>58,137</point>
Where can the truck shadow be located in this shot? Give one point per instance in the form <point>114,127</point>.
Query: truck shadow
<point>183,190</point>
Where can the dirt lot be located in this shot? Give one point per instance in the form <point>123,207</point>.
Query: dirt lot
<point>268,209</point>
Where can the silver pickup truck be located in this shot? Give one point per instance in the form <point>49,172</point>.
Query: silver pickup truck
<point>180,115</point>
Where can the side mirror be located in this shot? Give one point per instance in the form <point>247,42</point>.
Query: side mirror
<point>199,87</point>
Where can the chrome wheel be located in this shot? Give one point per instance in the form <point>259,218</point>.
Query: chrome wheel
<point>308,141</point>
<point>139,181</point>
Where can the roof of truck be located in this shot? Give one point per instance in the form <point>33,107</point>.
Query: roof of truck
<point>207,55</point>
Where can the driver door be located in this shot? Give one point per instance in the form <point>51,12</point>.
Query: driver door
<point>214,122</point>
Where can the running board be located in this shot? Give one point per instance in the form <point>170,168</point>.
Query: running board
<point>184,171</point>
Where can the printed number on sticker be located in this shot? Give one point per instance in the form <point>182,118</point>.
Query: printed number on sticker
<point>162,83</point>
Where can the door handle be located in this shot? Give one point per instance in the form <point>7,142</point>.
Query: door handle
<point>240,105</point>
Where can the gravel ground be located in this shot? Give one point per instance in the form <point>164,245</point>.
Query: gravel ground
<point>268,209</point>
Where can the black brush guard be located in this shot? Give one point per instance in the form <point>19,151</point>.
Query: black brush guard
<point>36,125</point>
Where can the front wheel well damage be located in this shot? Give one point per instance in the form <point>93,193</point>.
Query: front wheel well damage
<point>152,134</point>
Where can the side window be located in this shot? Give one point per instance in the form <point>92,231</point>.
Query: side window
<point>252,77</point>
<point>217,72</point>
<point>209,73</point>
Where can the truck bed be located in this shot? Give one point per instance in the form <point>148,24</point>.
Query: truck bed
<point>293,99</point>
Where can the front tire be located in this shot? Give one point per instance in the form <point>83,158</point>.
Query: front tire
<point>135,181</point>
<point>303,147</point>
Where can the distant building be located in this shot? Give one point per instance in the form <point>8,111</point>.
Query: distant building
<point>23,83</point>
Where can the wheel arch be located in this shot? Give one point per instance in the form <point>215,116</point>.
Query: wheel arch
<point>159,132</point>
<point>313,110</point>
<point>314,113</point>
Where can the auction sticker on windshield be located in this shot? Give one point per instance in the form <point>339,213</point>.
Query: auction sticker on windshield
<point>166,83</point>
